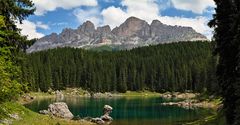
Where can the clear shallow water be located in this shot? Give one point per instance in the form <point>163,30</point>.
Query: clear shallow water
<point>127,111</point>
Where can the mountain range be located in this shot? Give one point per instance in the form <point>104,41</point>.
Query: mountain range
<point>134,32</point>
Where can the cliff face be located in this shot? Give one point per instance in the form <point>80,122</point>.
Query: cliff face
<point>132,33</point>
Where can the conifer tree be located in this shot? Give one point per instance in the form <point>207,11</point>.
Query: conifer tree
<point>226,24</point>
<point>11,44</point>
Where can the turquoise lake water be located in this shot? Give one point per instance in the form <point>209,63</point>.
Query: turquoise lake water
<point>127,111</point>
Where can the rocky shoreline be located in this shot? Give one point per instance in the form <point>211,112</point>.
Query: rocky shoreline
<point>178,95</point>
<point>189,100</point>
<point>191,104</point>
<point>60,110</point>
<point>185,100</point>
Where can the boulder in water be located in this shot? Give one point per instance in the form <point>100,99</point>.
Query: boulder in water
<point>107,109</point>
<point>105,118</point>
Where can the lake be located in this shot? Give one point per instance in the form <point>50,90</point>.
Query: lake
<point>127,111</point>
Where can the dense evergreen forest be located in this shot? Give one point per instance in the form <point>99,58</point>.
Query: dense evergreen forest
<point>166,67</point>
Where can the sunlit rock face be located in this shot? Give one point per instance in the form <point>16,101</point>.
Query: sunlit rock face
<point>134,32</point>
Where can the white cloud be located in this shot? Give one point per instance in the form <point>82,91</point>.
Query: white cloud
<point>30,29</point>
<point>92,14</point>
<point>113,16</point>
<point>196,6</point>
<point>163,4</point>
<point>149,10</point>
<point>50,5</point>
<point>59,24</point>
<point>199,23</point>
<point>108,1</point>
<point>42,26</point>
<point>145,9</point>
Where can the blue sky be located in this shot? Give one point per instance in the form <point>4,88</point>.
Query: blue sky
<point>55,15</point>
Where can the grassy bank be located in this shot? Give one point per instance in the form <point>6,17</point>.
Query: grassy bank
<point>83,93</point>
<point>215,119</point>
<point>28,117</point>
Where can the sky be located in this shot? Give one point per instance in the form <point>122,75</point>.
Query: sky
<point>55,15</point>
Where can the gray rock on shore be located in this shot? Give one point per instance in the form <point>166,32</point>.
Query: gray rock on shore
<point>58,109</point>
<point>98,121</point>
<point>6,122</point>
<point>44,112</point>
<point>9,121</point>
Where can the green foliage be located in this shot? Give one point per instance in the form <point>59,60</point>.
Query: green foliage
<point>14,10</point>
<point>11,45</point>
<point>9,87</point>
<point>166,67</point>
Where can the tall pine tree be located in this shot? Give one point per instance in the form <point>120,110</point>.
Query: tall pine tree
<point>11,44</point>
<point>225,22</point>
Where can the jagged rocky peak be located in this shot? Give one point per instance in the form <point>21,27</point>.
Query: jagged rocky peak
<point>104,29</point>
<point>67,34</point>
<point>134,32</point>
<point>156,23</point>
<point>130,27</point>
<point>67,31</point>
<point>87,27</point>
<point>133,19</point>
<point>52,37</point>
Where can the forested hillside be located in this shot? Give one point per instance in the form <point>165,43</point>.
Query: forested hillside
<point>165,67</point>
